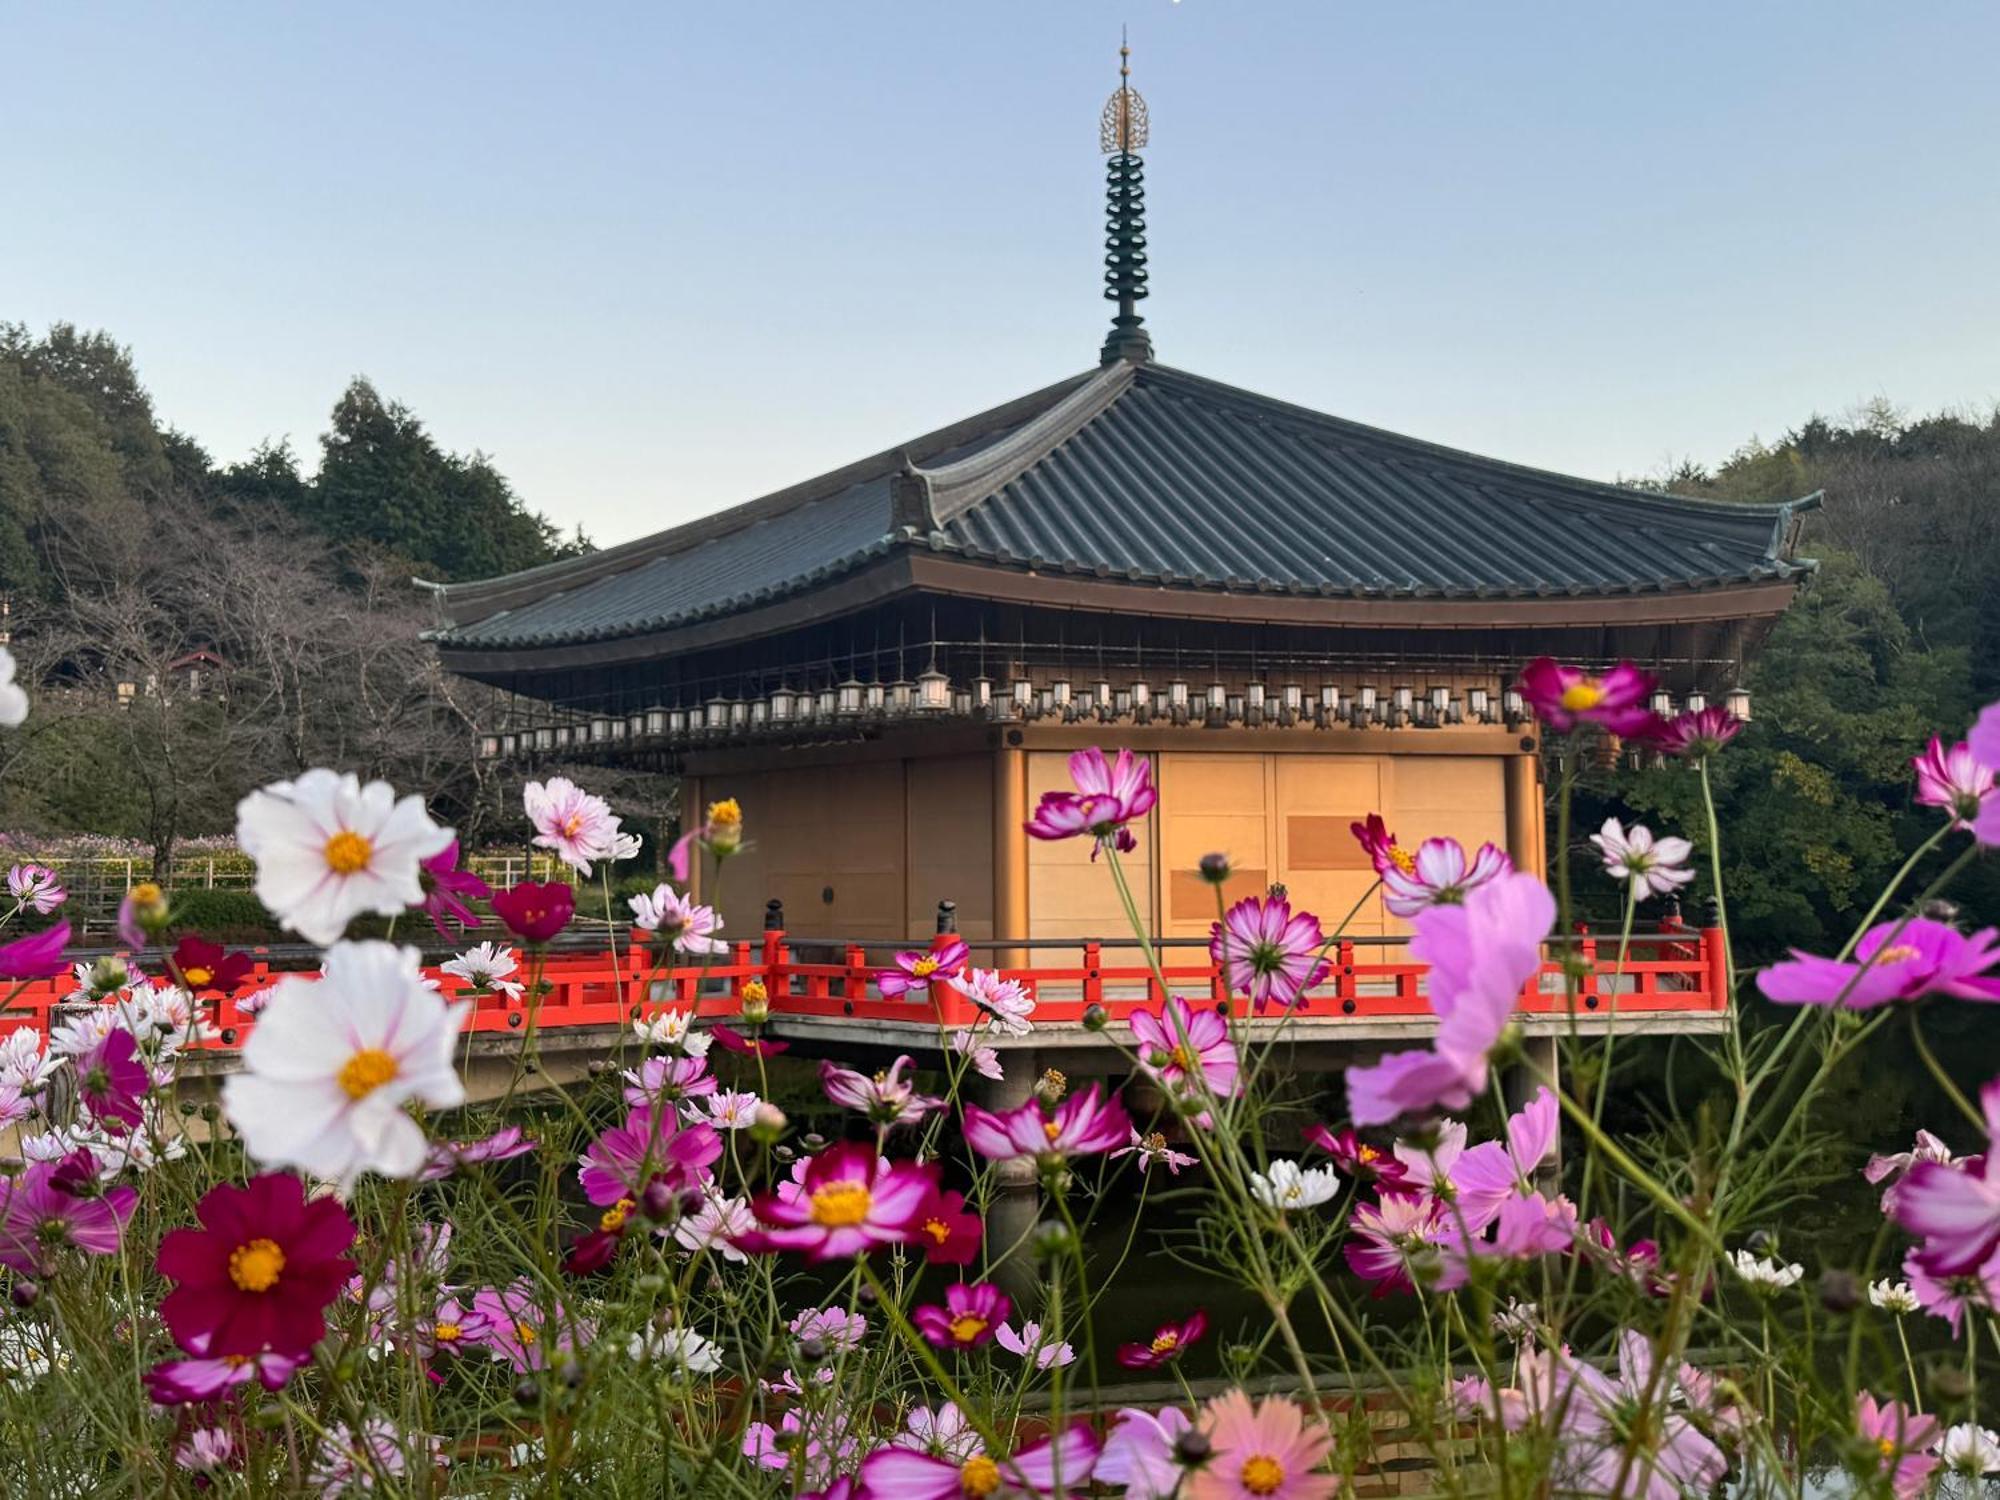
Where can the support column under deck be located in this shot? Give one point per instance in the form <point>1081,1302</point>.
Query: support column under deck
<point>1010,852</point>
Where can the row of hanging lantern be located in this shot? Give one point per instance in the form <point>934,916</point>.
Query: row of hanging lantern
<point>1216,705</point>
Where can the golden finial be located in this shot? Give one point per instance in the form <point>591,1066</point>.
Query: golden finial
<point>1122,127</point>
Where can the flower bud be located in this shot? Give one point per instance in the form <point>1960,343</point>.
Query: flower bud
<point>659,1202</point>
<point>1937,909</point>
<point>24,1293</point>
<point>527,1393</point>
<point>768,1123</point>
<point>1948,1384</point>
<point>1051,1086</point>
<point>652,1283</point>
<point>1096,1018</point>
<point>147,904</point>
<point>1215,868</point>
<point>571,1371</point>
<point>1840,1291</point>
<point>1192,1447</point>
<point>1762,1242</point>
<point>756,1002</point>
<point>812,1351</point>
<point>107,975</point>
<point>865,1294</point>
<point>1051,1238</point>
<point>725,828</point>
<point>812,1140</point>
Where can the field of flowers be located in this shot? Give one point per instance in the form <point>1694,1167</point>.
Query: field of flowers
<point>333,1274</point>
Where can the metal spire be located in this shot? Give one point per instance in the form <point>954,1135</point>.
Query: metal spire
<point>1121,133</point>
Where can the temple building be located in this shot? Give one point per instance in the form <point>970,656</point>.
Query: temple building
<point>1298,618</point>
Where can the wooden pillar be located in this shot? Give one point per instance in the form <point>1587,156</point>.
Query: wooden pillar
<point>1526,817</point>
<point>691,817</point>
<point>1010,853</point>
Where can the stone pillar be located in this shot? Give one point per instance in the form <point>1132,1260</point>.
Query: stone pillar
<point>1541,1058</point>
<point>1010,851</point>
<point>1016,1200</point>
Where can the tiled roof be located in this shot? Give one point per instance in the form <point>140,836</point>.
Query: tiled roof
<point>1150,474</point>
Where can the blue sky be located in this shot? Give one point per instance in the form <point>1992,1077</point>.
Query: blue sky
<point>659,258</point>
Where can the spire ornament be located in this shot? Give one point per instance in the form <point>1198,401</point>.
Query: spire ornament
<point>1122,130</point>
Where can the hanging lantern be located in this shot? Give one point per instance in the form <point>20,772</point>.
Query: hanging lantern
<point>1253,703</point>
<point>489,746</point>
<point>1479,705</point>
<point>739,713</point>
<point>781,705</point>
<point>1023,693</point>
<point>600,727</point>
<point>1233,709</point>
<point>982,694</point>
<point>677,722</point>
<point>717,715</point>
<point>847,698</point>
<point>760,714</point>
<point>933,691</point>
<point>1662,703</point>
<point>1738,703</point>
<point>1697,702</point>
<point>1513,705</point>
<point>1441,705</point>
<point>510,744</point>
<point>961,702</point>
<point>826,703</point>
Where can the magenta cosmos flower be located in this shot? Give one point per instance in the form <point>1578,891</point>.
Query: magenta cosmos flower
<point>1179,1045</point>
<point>1168,1343</point>
<point>1268,951</point>
<point>651,1146</point>
<point>1899,1441</point>
<point>1696,734</point>
<point>535,910</point>
<point>182,1382</point>
<point>888,1098</point>
<point>521,1331</point>
<point>1380,845</point>
<point>40,1216</point>
<point>39,955</point>
<point>848,1202</point>
<point>1082,1125</point>
<point>1108,796</point>
<point>1480,955</point>
<point>1356,1158</point>
<point>970,1316</point>
<point>111,1080</point>
<point>448,1157</point>
<point>1954,1208</point>
<point>1439,874</point>
<point>260,1272</point>
<point>1894,961</point>
<point>1052,1467</point>
<point>1565,697</point>
<point>917,968</point>
<point>1272,1450</point>
<point>1394,1239</point>
<point>447,889</point>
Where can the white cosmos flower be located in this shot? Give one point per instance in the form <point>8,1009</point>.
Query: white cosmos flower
<point>676,1346</point>
<point>23,1063</point>
<point>486,966</point>
<point>1970,1449</point>
<point>1893,1296</point>
<point>1656,867</point>
<point>331,1063</point>
<point>1764,1274</point>
<point>674,1029</point>
<point>1291,1186</point>
<point>13,700</point>
<point>328,849</point>
<point>1007,1001</point>
<point>727,1110</point>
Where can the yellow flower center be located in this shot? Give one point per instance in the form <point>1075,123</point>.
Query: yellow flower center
<point>145,893</point>
<point>447,1333</point>
<point>1886,1447</point>
<point>366,1072</point>
<point>753,989</point>
<point>572,825</point>
<point>348,852</point>
<point>924,967</point>
<point>1051,1129</point>
<point>255,1266</point>
<point>1899,953</point>
<point>1157,1141</point>
<point>1262,1474</point>
<point>1584,693</point>
<point>967,1327</point>
<point>841,1205</point>
<point>727,811</point>
<point>1366,1153</point>
<point>1403,860</point>
<point>980,1476</point>
<point>1182,1060</point>
<point>197,975</point>
<point>525,1333</point>
<point>1166,1342</point>
<point>613,1218</point>
<point>938,1230</point>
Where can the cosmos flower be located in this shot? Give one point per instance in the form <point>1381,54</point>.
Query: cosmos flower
<point>1029,1342</point>
<point>1480,955</point>
<point>1653,867</point>
<point>918,968</point>
<point>848,1202</point>
<point>181,1382</point>
<point>332,1064</point>
<point>1763,1274</point>
<point>452,1328</point>
<point>1440,875</point>
<point>1109,795</point>
<point>1893,1168</point>
<point>1893,1296</point>
<point>948,1232</point>
<point>1270,1450</point>
<point>1952,778</point>
<point>888,1098</point>
<point>1893,961</point>
<point>1954,1295</point>
<point>206,1450</point>
<point>1168,1343</point>
<point>1970,1449</point>
<point>13,699</point>
<point>521,1331</point>
<point>1394,1241</point>
<point>1269,952</point>
<point>1186,1051</point>
<point>682,923</point>
<point>201,966</point>
<point>721,834</point>
<point>1354,1157</point>
<point>1900,1440</point>
<point>54,1206</point>
<point>983,1060</point>
<point>1082,1124</point>
<point>715,1225</point>
<point>352,1460</point>
<point>732,1040</point>
<point>1053,1467</point>
<point>1696,734</point>
<point>1287,1186</point>
<point>39,955</point>
<point>485,967</point>
<point>260,1271</point>
<point>1485,1177</point>
<point>675,1030</point>
<point>448,1157</point>
<point>1154,1150</point>
<point>535,910</point>
<point>946,1432</point>
<point>579,827</point>
<point>1006,1002</point>
<point>661,1080</point>
<point>682,1348</point>
<point>834,1327</point>
<point>970,1315</point>
<point>1380,846</point>
<point>649,1146</point>
<point>111,1080</point>
<point>1623,1425</point>
<point>1565,697</point>
<point>1142,1453</point>
<point>35,888</point>
<point>448,889</point>
<point>329,849</point>
<point>725,1109</point>
<point>1983,739</point>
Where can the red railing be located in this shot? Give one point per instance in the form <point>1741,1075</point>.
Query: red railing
<point>1663,972</point>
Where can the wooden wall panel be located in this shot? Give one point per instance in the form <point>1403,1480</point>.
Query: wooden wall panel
<point>1319,861</point>
<point>1449,796</point>
<point>950,843</point>
<point>1069,895</point>
<point>1213,803</point>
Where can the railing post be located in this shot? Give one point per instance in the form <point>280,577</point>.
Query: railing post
<point>1716,952</point>
<point>856,981</point>
<point>1587,957</point>
<point>1093,973</point>
<point>1345,986</point>
<point>777,983</point>
<point>947,918</point>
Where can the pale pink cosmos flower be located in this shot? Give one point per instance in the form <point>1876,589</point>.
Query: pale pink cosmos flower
<point>1031,1342</point>
<point>206,1450</point>
<point>1268,951</point>
<point>1140,1453</point>
<point>1653,867</point>
<point>1894,1168</point>
<point>1394,1241</point>
<point>1487,1175</point>
<point>835,1327</point>
<point>946,1432</point>
<point>1480,954</point>
<point>688,925</point>
<point>1901,1440</point>
<point>1186,1051</point>
<point>715,1225</point>
<point>1598,1415</point>
<point>1273,1450</point>
<point>984,1060</point>
<point>1441,875</point>
<point>35,888</point>
<point>1083,1124</point>
<point>888,1098</point>
<point>1155,1150</point>
<point>579,827</point>
<point>1951,777</point>
<point>726,1109</point>
<point>1006,1001</point>
<point>1952,1296</point>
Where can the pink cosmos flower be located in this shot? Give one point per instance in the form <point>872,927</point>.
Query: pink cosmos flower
<point>983,1060</point>
<point>1380,846</point>
<point>1894,1168</point>
<point>1154,1149</point>
<point>1006,1002</point>
<point>39,955</point>
<point>888,1098</point>
<point>819,1443</point>
<point>447,889</point>
<point>918,968</point>
<point>1440,875</point>
<point>448,1157</point>
<point>1141,1455</point>
<point>1488,1175</point>
<point>660,1080</point>
<point>1268,952</point>
<point>650,1146</point>
<point>1600,1414</point>
<point>1273,1450</point>
<point>970,1316</point>
<point>181,1382</point>
<point>452,1328</point>
<point>1954,779</point>
<point>1031,1342</point>
<point>1168,1343</point>
<point>1894,961</point>
<point>1354,1157</point>
<point>685,924</point>
<point>579,827</point>
<point>1696,734</point>
<point>1654,867</point>
<point>834,1327</point>
<point>1394,1240</point>
<point>1480,955</point>
<point>1951,1297</point>
<point>1901,1440</point>
<point>848,1202</point>
<point>42,1214</point>
<point>1108,796</point>
<point>521,1331</point>
<point>111,1080</point>
<point>1565,697</point>
<point>1178,1044</point>
<point>1082,1125</point>
<point>1053,1467</point>
<point>35,888</point>
<point>732,1040</point>
<point>207,1450</point>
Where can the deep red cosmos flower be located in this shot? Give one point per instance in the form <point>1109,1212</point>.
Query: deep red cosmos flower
<point>447,888</point>
<point>201,965</point>
<point>260,1271</point>
<point>1356,1158</point>
<point>948,1232</point>
<point>1166,1345</point>
<point>733,1040</point>
<point>535,910</point>
<point>969,1316</point>
<point>39,955</point>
